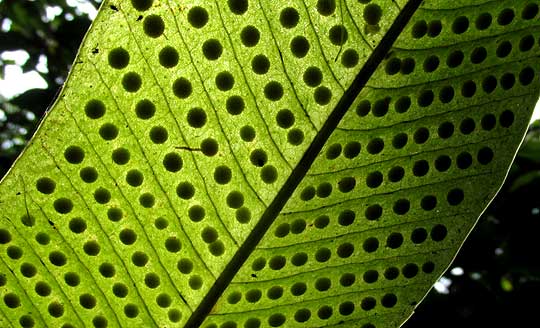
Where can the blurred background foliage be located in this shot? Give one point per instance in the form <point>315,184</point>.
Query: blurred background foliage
<point>494,277</point>
<point>49,32</point>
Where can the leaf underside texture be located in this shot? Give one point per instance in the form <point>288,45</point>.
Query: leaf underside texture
<point>248,163</point>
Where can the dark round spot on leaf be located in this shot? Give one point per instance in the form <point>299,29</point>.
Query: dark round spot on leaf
<point>431,63</point>
<point>455,58</point>
<point>338,35</point>
<point>222,174</point>
<point>172,244</point>
<point>506,16</point>
<point>464,160</point>
<point>196,213</point>
<point>224,81</point>
<point>108,131</point>
<point>478,55</point>
<point>289,17</point>
<point>312,76</point>
<point>238,7</point>
<point>131,82</point>
<point>158,134</point>
<point>127,236</point>
<point>63,205</point>
<point>488,122</point>
<point>401,206</point>
<point>185,190</point>
<point>485,155</point>
<point>400,140</point>
<point>321,222</point>
<point>439,232</point>
<point>285,118</point>
<point>443,163</point>
<point>258,157</point>
<point>121,156</point>
<point>325,312</point>
<point>419,235</point>
<point>393,66</point>
<point>74,154</point>
<point>467,126</point>
<point>235,199</point>
<point>273,91</point>
<point>172,162</point>
<point>460,25</point>
<point>455,196</point>
<point>374,179</point>
<point>504,49</point>
<point>483,21</point>
<point>425,98</point>
<point>506,119</point>
<point>322,95</point>
<point>396,174</point>
<point>182,88</point>
<point>247,133</point>
<point>118,58</point>
<point>326,7</point>
<point>346,184</point>
<point>434,28</point>
<point>370,276</point>
<point>260,64</point>
<point>115,214</point>
<point>94,109</point>
<point>77,225</point>
<point>370,245</point>
<point>145,109</point>
<point>391,273</point>
<point>530,11</point>
<point>421,135</point>
<point>196,117</point>
<point>153,26</point>
<point>299,46</point>
<point>407,65</point>
<point>351,150</point>
<point>168,57</point>
<point>419,29</point>
<point>212,49</point>
<point>526,43</point>
<point>250,36</point>
<point>372,14</point>
<point>380,107</point>
<point>142,5</point>
<point>375,146</point>
<point>102,195</point>
<point>45,185</point>
<point>197,17</point>
<point>295,137</point>
<point>394,240</point>
<point>147,200</point>
<point>57,258</point>
<point>420,168</point>
<point>468,89</point>
<point>526,76</point>
<point>56,309</point>
<point>209,147</point>
<point>350,58</point>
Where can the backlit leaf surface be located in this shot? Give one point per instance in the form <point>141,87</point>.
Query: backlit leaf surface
<point>264,163</point>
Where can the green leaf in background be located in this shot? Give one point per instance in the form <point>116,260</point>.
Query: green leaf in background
<point>264,163</point>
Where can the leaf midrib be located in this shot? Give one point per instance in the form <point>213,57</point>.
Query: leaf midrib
<point>299,171</point>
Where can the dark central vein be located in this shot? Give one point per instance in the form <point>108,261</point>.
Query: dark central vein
<point>303,166</point>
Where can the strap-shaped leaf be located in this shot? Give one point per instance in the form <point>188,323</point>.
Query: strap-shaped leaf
<point>264,163</point>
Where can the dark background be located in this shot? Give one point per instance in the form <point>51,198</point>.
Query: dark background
<point>494,281</point>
